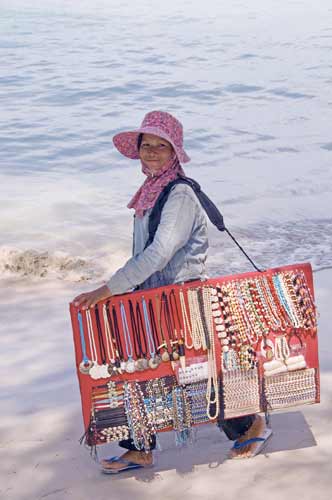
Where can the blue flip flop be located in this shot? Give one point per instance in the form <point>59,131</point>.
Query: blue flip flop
<point>262,441</point>
<point>128,465</point>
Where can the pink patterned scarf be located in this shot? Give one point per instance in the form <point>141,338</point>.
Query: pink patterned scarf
<point>148,193</point>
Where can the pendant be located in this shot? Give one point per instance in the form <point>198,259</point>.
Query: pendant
<point>139,364</point>
<point>123,366</point>
<point>130,366</point>
<point>165,356</point>
<point>145,363</point>
<point>183,363</point>
<point>104,371</point>
<point>154,362</point>
<point>85,366</point>
<point>111,368</point>
<point>117,366</point>
<point>94,372</point>
<point>175,355</point>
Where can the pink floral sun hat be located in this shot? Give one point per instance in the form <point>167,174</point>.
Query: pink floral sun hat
<point>157,123</point>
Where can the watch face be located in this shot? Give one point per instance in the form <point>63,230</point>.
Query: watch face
<point>85,366</point>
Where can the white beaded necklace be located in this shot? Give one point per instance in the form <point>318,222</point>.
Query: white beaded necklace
<point>212,384</point>
<point>186,322</point>
<point>197,330</point>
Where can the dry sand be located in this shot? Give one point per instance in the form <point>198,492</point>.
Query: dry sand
<point>41,422</point>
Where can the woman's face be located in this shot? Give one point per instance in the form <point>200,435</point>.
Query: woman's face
<point>155,152</point>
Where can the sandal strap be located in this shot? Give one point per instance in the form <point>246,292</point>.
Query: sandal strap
<point>118,459</point>
<point>239,444</point>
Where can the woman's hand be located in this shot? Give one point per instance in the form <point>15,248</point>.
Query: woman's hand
<point>90,299</point>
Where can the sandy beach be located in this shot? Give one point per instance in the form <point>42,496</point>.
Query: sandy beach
<point>41,422</point>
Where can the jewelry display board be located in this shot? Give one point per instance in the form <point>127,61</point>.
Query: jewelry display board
<point>181,355</point>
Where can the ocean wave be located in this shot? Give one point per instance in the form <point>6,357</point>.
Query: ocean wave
<point>32,263</point>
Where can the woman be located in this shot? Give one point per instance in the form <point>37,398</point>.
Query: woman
<point>177,254</point>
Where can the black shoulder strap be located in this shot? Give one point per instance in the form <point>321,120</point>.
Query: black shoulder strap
<point>211,210</point>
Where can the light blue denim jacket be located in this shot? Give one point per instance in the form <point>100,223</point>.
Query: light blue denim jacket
<point>178,251</point>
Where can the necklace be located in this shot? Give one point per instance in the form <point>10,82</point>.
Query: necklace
<point>212,391</point>
<point>117,336</point>
<point>171,331</point>
<point>94,370</point>
<point>130,364</point>
<point>181,339</point>
<point>154,329</point>
<point>86,363</point>
<point>109,343</point>
<point>282,351</point>
<point>141,335</point>
<point>165,356</point>
<point>186,322</point>
<point>141,362</point>
<point>154,360</point>
<point>103,368</point>
<point>110,336</point>
<point>197,331</point>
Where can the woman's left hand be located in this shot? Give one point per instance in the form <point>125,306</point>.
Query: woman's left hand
<point>90,299</point>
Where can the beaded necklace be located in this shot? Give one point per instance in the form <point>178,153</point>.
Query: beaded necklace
<point>282,299</point>
<point>140,424</point>
<point>305,302</point>
<point>197,330</point>
<point>275,322</point>
<point>185,322</point>
<point>212,390</point>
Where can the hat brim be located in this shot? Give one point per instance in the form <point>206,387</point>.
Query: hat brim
<point>126,143</point>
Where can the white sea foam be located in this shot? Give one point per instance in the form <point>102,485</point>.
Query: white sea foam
<point>35,264</point>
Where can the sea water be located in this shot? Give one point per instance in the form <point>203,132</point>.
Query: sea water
<point>251,82</point>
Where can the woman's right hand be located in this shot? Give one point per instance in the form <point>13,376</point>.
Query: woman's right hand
<point>90,299</point>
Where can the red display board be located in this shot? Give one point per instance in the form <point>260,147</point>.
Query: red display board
<point>303,339</point>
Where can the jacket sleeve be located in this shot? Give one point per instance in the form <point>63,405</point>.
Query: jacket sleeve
<point>176,225</point>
